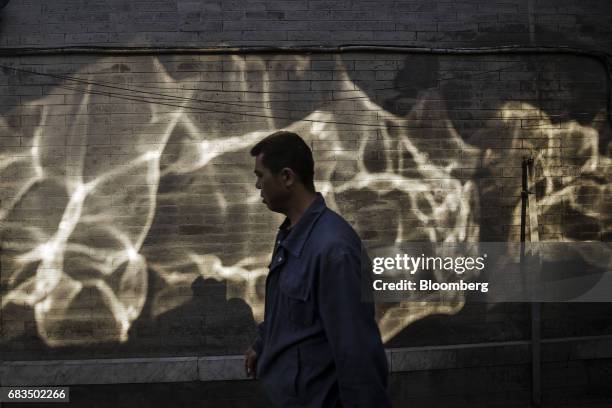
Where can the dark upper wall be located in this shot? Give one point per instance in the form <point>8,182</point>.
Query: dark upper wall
<point>246,22</point>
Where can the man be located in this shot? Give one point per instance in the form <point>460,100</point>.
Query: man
<point>319,345</point>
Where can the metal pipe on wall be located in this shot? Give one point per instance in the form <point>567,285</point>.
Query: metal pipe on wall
<point>530,208</point>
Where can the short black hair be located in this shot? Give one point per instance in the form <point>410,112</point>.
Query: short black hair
<point>287,149</point>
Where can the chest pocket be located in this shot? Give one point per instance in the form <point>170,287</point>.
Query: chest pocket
<point>295,286</point>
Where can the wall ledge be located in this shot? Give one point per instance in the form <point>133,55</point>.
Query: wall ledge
<point>224,368</point>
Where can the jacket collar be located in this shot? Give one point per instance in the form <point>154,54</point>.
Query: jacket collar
<point>294,242</point>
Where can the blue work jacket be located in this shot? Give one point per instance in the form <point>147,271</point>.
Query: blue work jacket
<point>319,345</point>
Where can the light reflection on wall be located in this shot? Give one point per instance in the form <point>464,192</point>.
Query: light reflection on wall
<point>83,260</point>
<point>571,176</point>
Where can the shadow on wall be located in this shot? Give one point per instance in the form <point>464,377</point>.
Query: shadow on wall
<point>208,323</point>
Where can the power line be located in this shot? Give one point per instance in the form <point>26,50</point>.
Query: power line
<point>466,76</point>
<point>103,84</point>
<point>157,95</point>
<point>164,99</point>
<point>110,94</point>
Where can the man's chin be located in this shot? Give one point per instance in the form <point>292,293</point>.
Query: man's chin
<point>273,209</point>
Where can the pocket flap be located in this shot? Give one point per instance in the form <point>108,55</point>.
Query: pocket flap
<point>295,281</point>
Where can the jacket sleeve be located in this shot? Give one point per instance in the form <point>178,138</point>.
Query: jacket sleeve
<point>258,343</point>
<point>352,332</point>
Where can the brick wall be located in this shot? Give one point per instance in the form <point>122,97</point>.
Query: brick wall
<point>127,188</point>
<point>211,23</point>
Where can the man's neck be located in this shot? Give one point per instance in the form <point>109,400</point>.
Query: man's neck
<point>299,206</point>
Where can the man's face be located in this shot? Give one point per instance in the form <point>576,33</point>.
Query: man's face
<point>273,189</point>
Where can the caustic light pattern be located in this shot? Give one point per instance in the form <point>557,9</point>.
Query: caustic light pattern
<point>92,177</point>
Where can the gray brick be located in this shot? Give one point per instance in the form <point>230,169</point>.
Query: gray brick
<point>475,17</point>
<point>181,37</point>
<point>395,35</point>
<point>345,36</point>
<point>100,27</point>
<point>332,25</point>
<point>265,15</point>
<point>307,35</point>
<point>327,86</point>
<point>433,17</point>
<point>65,28</point>
<point>330,5</point>
<point>155,6</point>
<point>445,37</point>
<point>416,7</point>
<point>376,65</point>
<point>265,25</point>
<point>264,35</point>
<point>310,75</point>
<point>212,36</point>
<point>512,17</point>
<point>227,15</point>
<point>506,75</point>
<point>457,26</point>
<point>556,18</point>
<point>375,14</point>
<point>55,18</point>
<point>194,6</point>
<point>155,27</point>
<point>311,15</point>
<point>498,7</point>
<point>323,65</point>
<point>87,17</point>
<point>166,17</point>
<point>86,38</point>
<point>242,5</point>
<point>416,26</point>
<point>503,28</point>
<point>204,26</point>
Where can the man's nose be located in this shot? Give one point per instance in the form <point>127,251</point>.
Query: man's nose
<point>258,185</point>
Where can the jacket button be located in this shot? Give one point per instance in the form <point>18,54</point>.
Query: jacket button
<point>280,258</point>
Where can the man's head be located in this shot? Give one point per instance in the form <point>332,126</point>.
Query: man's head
<point>284,167</point>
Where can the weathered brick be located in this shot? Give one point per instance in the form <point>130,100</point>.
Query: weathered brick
<point>320,36</point>
<point>503,28</point>
<point>264,25</point>
<point>457,26</point>
<point>329,5</point>
<point>86,38</point>
<point>155,6</point>
<point>264,35</point>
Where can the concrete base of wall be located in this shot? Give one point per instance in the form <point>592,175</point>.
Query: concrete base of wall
<point>225,368</point>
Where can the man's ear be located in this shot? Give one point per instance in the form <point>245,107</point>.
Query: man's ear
<point>288,176</point>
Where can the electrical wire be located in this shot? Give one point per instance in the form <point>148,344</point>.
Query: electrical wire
<point>466,76</point>
<point>154,97</point>
<point>600,56</point>
<point>104,84</point>
<point>110,94</point>
<point>196,109</point>
<point>171,98</point>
